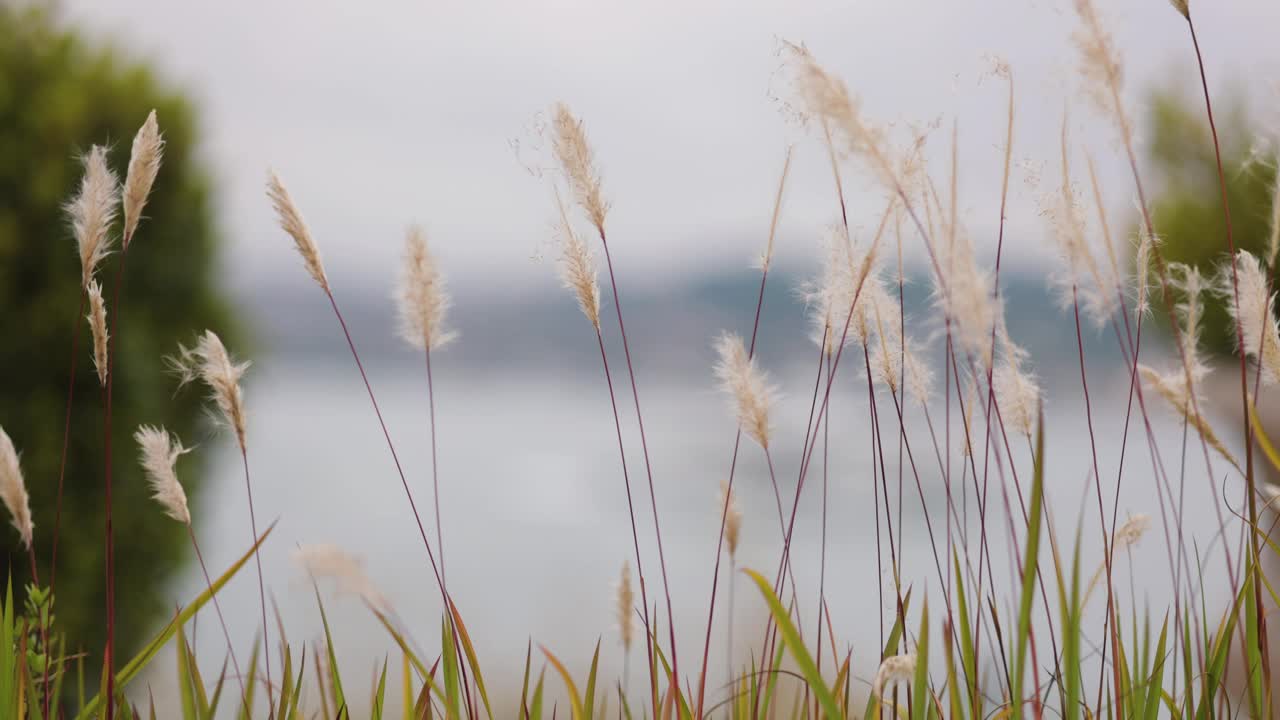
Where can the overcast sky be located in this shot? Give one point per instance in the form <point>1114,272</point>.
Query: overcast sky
<point>384,112</point>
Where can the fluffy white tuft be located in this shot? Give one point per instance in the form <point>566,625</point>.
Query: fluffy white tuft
<point>13,490</point>
<point>747,386</point>
<point>290,219</point>
<point>208,361</point>
<point>423,297</point>
<point>144,165</point>
<point>92,211</point>
<point>159,452</point>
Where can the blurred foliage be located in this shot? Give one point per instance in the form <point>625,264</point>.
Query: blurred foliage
<point>60,93</point>
<point>1187,209</point>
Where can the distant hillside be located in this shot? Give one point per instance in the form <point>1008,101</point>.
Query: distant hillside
<point>671,329</point>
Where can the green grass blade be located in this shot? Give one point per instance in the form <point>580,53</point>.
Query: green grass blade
<point>1031,559</point>
<point>799,654</point>
<point>920,704</point>
<point>472,660</point>
<point>140,661</point>
<point>575,700</point>
<point>379,694</point>
<point>589,699</point>
<point>335,675</point>
<point>449,657</point>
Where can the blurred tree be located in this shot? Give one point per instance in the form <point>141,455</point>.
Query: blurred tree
<point>59,94</point>
<point>1187,209</point>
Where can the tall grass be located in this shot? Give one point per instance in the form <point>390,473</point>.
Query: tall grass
<point>951,646</point>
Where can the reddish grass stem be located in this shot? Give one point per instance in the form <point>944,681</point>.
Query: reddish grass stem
<point>1255,547</point>
<point>648,467</point>
<point>635,535</point>
<point>217,608</point>
<point>109,548</point>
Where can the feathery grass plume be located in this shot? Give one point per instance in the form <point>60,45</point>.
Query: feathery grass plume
<point>1255,314</point>
<point>827,98</point>
<point>13,491</point>
<point>291,221</point>
<point>1183,7</point>
<point>1100,65</point>
<point>144,164</point>
<point>1179,387</point>
<point>899,668</point>
<point>732,518</point>
<point>209,361</point>
<point>626,600</point>
<point>1142,270</point>
<point>767,256</point>
<point>569,142</point>
<point>1081,275</point>
<point>97,318</point>
<point>1125,536</point>
<point>92,211</point>
<point>831,297</point>
<point>1017,392</point>
<point>1273,238</point>
<point>964,291</point>
<point>423,297</point>
<point>578,267</point>
<point>1187,280</point>
<point>348,574</point>
<point>747,386</point>
<point>1172,387</point>
<point>159,451</point>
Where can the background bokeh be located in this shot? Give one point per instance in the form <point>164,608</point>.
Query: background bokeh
<point>376,116</point>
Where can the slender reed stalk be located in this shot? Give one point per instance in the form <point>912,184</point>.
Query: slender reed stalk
<point>578,273</point>
<point>1241,352</point>
<point>725,517</point>
<point>423,301</point>
<point>578,161</point>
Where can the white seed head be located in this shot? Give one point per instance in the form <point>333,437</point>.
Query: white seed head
<point>1017,394</point>
<point>325,561</point>
<point>1172,386</point>
<point>159,452</point>
<point>290,219</point>
<point>625,598</point>
<point>208,361</point>
<point>1142,271</point>
<point>1100,65</point>
<point>577,160</point>
<point>97,318</point>
<point>92,211</point>
<point>577,267</point>
<point>896,669</point>
<point>1254,314</point>
<point>732,518</point>
<point>13,490</point>
<point>826,99</point>
<point>747,386</point>
<point>423,298</point>
<point>144,164</point>
<point>1130,531</point>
